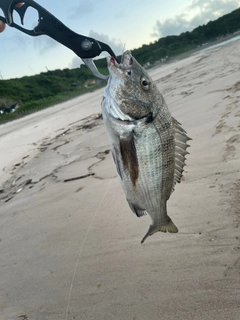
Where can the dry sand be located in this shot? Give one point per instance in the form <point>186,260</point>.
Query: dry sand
<point>70,248</point>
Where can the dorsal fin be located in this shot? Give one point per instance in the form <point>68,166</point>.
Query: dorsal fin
<point>181,145</point>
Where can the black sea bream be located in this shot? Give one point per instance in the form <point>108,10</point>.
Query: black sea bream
<point>148,145</point>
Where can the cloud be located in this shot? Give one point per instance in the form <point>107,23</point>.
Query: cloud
<point>83,9</point>
<point>76,61</point>
<point>19,41</point>
<point>43,44</point>
<point>115,44</point>
<point>198,13</point>
<point>119,15</point>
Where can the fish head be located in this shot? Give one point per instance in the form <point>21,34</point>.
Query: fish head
<point>131,88</point>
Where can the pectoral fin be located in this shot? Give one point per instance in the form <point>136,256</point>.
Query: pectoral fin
<point>117,164</point>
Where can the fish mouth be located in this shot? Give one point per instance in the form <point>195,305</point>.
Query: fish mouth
<point>113,62</point>
<point>126,62</point>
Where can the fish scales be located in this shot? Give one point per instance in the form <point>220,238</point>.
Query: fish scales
<point>148,145</point>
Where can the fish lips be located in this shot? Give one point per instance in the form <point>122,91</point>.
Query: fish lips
<point>120,68</point>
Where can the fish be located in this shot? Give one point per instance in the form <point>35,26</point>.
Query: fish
<point>148,145</point>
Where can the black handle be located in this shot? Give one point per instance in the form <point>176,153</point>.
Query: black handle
<point>48,24</point>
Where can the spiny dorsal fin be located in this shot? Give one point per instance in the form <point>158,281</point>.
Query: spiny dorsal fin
<point>181,145</point>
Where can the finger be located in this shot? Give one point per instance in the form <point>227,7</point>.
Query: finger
<point>2,26</point>
<point>19,4</point>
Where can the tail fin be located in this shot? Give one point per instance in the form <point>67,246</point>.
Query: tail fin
<point>169,226</point>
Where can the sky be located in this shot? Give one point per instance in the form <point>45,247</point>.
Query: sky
<point>124,25</point>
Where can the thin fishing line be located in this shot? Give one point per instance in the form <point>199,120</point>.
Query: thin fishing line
<point>81,249</point>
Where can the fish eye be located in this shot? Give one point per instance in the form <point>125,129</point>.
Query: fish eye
<point>145,84</point>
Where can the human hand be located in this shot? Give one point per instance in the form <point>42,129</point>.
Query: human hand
<point>2,24</point>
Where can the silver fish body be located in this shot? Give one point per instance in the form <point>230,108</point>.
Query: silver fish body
<point>148,145</point>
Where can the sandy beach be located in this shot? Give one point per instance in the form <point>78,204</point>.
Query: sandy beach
<point>69,244</point>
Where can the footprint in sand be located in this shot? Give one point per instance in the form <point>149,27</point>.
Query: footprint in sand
<point>221,124</point>
<point>233,139</point>
<point>236,87</point>
<point>230,147</point>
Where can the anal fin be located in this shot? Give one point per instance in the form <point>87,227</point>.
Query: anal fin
<point>138,212</point>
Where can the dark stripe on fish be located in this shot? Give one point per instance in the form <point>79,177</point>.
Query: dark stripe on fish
<point>129,156</point>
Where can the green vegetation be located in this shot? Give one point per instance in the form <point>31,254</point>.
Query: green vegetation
<point>174,45</point>
<point>45,89</point>
<point>48,88</point>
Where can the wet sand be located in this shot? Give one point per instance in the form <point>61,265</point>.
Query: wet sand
<point>70,246</point>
